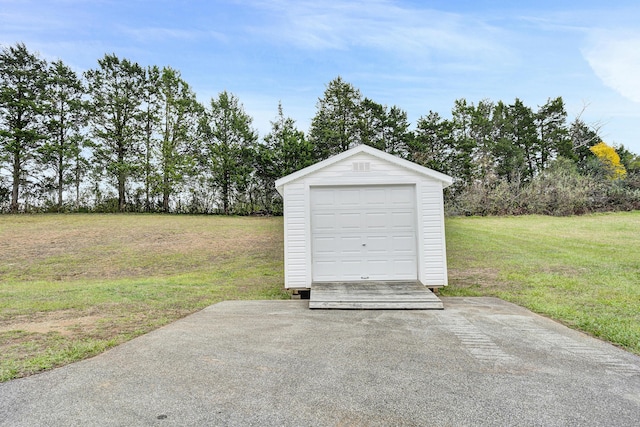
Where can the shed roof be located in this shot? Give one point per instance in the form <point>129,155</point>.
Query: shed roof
<point>446,180</point>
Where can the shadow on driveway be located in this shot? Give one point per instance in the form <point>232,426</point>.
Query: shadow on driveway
<point>481,361</point>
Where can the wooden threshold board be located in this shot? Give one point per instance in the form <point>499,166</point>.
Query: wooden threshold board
<point>378,295</point>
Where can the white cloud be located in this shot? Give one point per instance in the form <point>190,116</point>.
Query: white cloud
<point>415,34</point>
<point>615,59</point>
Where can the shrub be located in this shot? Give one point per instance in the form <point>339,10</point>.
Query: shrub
<point>559,190</point>
<point>610,159</point>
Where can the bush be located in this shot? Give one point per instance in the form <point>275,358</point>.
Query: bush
<point>107,205</point>
<point>560,191</point>
<point>5,196</point>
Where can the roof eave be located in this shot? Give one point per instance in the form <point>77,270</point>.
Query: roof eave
<point>445,179</point>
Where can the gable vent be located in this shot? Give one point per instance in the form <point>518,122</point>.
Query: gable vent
<point>361,166</point>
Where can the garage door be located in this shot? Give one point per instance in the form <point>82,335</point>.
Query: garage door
<point>363,233</point>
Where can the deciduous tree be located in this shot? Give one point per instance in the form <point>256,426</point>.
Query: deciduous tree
<point>610,159</point>
<point>629,160</point>
<point>582,137</point>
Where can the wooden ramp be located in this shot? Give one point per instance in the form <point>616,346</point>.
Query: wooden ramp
<point>373,295</point>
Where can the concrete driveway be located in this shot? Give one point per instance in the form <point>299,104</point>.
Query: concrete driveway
<point>480,362</point>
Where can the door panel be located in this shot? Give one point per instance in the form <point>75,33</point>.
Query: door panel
<point>363,233</point>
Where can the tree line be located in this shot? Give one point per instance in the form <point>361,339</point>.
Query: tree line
<point>124,137</point>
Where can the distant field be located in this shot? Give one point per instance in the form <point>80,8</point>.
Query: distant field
<point>72,286</point>
<point>583,271</point>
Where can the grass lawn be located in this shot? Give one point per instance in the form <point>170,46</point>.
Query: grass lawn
<point>583,271</point>
<point>72,286</point>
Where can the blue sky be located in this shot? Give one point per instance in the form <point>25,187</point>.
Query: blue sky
<point>418,55</point>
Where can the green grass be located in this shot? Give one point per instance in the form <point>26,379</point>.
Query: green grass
<point>583,271</point>
<point>72,286</point>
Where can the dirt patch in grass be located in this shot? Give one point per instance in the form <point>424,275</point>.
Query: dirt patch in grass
<point>474,276</point>
<point>64,322</point>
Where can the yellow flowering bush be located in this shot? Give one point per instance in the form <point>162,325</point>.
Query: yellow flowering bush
<point>610,159</point>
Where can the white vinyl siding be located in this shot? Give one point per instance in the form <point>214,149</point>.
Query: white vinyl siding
<point>433,271</point>
<point>295,252</point>
<point>359,168</point>
<point>379,172</point>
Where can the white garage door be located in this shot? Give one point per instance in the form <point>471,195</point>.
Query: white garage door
<point>363,233</point>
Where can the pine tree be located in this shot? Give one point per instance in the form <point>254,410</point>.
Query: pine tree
<point>285,151</point>
<point>116,90</point>
<point>22,87</point>
<point>335,127</point>
<point>149,124</point>
<point>65,112</point>
<point>432,144</point>
<point>228,139</point>
<point>179,115</point>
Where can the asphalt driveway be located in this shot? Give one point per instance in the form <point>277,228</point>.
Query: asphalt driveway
<point>481,361</point>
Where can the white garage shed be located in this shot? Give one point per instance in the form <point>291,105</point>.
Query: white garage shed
<point>364,215</point>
